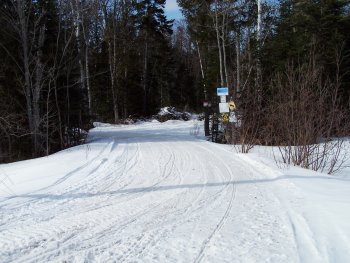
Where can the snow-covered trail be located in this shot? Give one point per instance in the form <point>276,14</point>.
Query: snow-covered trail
<point>150,194</point>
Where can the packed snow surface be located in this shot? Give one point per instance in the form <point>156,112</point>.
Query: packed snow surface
<point>158,192</point>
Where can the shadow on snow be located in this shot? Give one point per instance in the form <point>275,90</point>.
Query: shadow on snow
<point>167,188</point>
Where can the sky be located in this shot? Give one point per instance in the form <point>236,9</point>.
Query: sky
<point>172,10</point>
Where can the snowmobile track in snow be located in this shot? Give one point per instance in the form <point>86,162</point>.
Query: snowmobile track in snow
<point>206,243</point>
<point>151,192</point>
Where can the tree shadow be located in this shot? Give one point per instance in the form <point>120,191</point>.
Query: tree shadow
<point>170,187</point>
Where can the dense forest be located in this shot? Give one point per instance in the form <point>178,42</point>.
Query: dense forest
<point>67,63</point>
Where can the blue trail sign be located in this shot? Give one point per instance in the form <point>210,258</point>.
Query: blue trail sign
<point>222,91</point>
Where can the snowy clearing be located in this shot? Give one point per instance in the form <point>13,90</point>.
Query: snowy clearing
<point>154,192</point>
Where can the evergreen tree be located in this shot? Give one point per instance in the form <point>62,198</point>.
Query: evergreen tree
<point>154,40</point>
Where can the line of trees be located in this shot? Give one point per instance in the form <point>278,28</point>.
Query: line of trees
<point>66,63</point>
<point>287,64</point>
<point>243,43</point>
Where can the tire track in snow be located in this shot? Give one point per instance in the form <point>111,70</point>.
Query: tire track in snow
<point>92,181</point>
<point>166,173</point>
<point>271,226</point>
<point>79,185</point>
<point>40,205</point>
<point>174,214</point>
<point>61,180</point>
<point>220,224</point>
<point>133,219</point>
<point>171,219</point>
<point>121,222</point>
<point>73,226</point>
<point>37,233</point>
<point>86,185</point>
<point>142,242</point>
<point>117,174</point>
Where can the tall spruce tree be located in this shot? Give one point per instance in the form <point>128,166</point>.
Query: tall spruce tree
<point>154,40</point>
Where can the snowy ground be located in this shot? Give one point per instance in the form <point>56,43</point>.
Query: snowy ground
<point>155,192</point>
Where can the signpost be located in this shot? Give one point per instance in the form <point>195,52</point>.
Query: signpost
<point>225,117</point>
<point>223,107</point>
<point>223,91</point>
<point>223,99</point>
<point>206,105</point>
<point>227,111</point>
<point>232,105</point>
<point>233,118</point>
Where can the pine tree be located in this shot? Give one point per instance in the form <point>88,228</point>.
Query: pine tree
<point>154,39</point>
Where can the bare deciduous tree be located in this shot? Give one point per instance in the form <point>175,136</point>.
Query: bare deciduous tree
<point>307,119</point>
<point>31,37</point>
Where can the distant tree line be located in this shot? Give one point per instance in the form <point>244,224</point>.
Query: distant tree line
<point>66,63</point>
<point>287,65</point>
<point>242,44</point>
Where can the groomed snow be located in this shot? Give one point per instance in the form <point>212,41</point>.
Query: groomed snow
<point>156,192</point>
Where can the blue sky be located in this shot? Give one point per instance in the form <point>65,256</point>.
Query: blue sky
<point>172,10</point>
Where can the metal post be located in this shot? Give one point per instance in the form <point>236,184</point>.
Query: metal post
<point>206,117</point>
<point>206,121</point>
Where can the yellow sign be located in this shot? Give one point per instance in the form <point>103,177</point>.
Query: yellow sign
<point>225,117</point>
<point>232,105</point>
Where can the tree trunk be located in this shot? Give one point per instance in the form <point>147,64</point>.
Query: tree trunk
<point>32,80</point>
<point>223,38</point>
<point>23,20</point>
<point>258,62</point>
<point>206,113</point>
<point>218,43</point>
<point>144,84</point>
<point>112,57</point>
<point>238,64</point>
<point>202,71</point>
<point>81,55</point>
<point>88,79</point>
<point>259,21</point>
<point>48,121</point>
<point>58,114</point>
<point>87,72</point>
<point>37,90</point>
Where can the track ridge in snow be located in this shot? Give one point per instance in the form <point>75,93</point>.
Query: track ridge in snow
<point>152,192</point>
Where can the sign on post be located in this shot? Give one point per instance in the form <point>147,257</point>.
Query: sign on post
<point>232,105</point>
<point>223,107</point>
<point>223,99</point>
<point>225,117</point>
<point>222,91</point>
<point>233,118</point>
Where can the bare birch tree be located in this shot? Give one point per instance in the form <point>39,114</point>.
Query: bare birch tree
<point>83,49</point>
<point>31,36</point>
<point>110,12</point>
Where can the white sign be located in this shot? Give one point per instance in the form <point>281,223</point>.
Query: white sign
<point>223,107</point>
<point>233,117</point>
<point>222,91</point>
<point>223,99</point>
